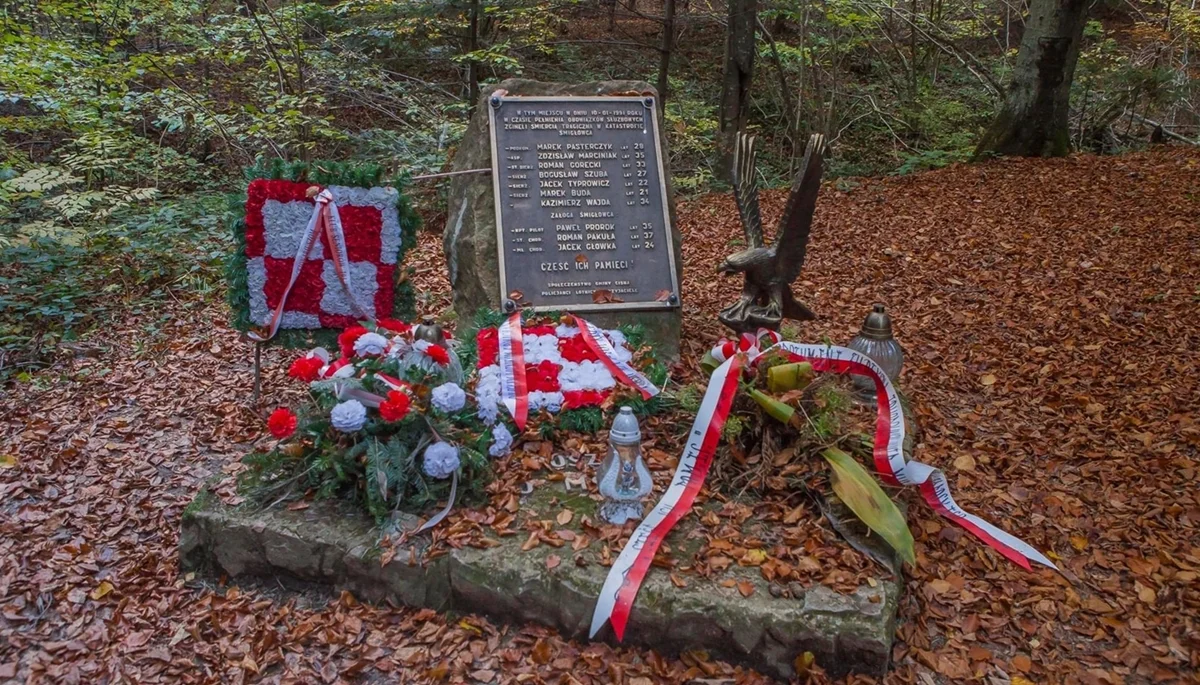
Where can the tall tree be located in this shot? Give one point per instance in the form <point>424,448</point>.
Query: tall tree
<point>1033,120</point>
<point>739,72</point>
<point>664,61</point>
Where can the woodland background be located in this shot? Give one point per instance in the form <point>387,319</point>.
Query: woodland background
<point>123,121</point>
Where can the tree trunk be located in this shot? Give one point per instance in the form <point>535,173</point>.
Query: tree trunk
<point>739,72</point>
<point>472,64</point>
<point>664,63</point>
<point>1033,120</point>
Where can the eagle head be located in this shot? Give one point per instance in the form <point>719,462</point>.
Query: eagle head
<point>739,262</point>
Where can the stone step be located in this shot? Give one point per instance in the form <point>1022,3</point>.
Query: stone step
<point>332,544</point>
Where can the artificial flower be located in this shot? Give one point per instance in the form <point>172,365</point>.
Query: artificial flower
<point>543,377</point>
<point>370,345</point>
<point>348,416</point>
<point>435,352</point>
<point>441,459</point>
<point>448,398</point>
<point>395,407</point>
<point>398,347</point>
<point>574,349</point>
<point>347,339</point>
<point>574,399</point>
<point>488,342</point>
<point>282,423</point>
<point>306,368</point>
<point>502,440</point>
<point>393,326</point>
<point>538,330</point>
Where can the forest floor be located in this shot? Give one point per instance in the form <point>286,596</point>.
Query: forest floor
<point>1049,310</point>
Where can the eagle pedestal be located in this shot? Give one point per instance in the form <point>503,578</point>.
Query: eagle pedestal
<point>769,271</point>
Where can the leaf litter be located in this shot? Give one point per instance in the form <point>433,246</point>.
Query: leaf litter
<point>1048,309</point>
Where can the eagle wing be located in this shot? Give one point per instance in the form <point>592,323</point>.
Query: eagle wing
<point>792,237</point>
<point>745,188</point>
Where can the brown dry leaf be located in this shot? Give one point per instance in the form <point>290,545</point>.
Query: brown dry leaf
<point>541,653</point>
<point>964,462</point>
<point>8,461</point>
<point>553,561</point>
<point>746,588</point>
<point>101,590</point>
<point>1079,542</point>
<point>1022,663</point>
<point>987,379</point>
<point>564,517</point>
<point>662,295</point>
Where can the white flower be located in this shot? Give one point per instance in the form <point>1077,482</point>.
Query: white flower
<point>398,347</point>
<point>370,345</point>
<point>566,331</point>
<point>320,353</point>
<point>487,393</point>
<point>502,441</point>
<point>616,336</point>
<point>348,416</point>
<point>448,397</point>
<point>441,459</point>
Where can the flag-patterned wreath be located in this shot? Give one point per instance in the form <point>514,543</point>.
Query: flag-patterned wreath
<point>356,236</point>
<point>564,374</point>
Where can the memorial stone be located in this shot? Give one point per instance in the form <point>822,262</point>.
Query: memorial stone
<point>586,218</point>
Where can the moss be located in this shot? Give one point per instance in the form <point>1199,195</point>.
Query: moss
<point>203,500</point>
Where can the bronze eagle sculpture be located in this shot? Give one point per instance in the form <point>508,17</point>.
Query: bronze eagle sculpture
<point>769,271</point>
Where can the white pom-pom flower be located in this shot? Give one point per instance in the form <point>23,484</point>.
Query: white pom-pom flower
<point>441,459</point>
<point>348,416</point>
<point>502,441</point>
<point>398,347</point>
<point>370,345</point>
<point>448,397</point>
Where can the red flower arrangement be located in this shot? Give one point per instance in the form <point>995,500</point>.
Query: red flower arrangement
<point>574,349</point>
<point>369,230</point>
<point>574,399</point>
<point>488,343</point>
<point>542,377</point>
<point>306,368</point>
<point>282,423</point>
<point>395,407</point>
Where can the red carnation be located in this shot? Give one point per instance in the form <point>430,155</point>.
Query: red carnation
<point>393,325</point>
<point>574,349</point>
<point>542,377</point>
<point>488,341</point>
<point>282,423</point>
<point>438,354</point>
<point>347,338</point>
<point>574,399</point>
<point>395,407</point>
<point>538,330</point>
<point>306,369</point>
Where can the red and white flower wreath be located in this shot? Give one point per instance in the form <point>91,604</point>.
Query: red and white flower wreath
<point>561,370</point>
<point>278,213</point>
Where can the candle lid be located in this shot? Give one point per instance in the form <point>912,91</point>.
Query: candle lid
<point>625,429</point>
<point>877,325</point>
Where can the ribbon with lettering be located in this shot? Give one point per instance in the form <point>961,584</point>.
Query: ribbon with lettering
<point>889,449</point>
<point>627,572</point>
<point>513,389</point>
<point>623,370</point>
<point>325,219</point>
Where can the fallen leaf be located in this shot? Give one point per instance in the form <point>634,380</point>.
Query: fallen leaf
<point>553,561</point>
<point>564,517</point>
<point>101,590</point>
<point>987,379</point>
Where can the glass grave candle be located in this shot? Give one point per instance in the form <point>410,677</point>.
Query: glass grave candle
<point>623,479</point>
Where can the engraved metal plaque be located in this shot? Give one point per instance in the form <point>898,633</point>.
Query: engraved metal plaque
<point>581,204</point>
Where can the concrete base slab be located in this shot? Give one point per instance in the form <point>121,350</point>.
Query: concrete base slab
<point>332,544</point>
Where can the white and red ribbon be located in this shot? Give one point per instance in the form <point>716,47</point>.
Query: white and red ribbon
<point>325,219</point>
<point>513,389</point>
<point>622,370</point>
<point>889,450</point>
<point>627,572</point>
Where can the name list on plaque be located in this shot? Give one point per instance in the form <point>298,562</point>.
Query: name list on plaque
<point>580,203</point>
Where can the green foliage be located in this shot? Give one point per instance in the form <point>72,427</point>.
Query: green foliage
<point>53,289</point>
